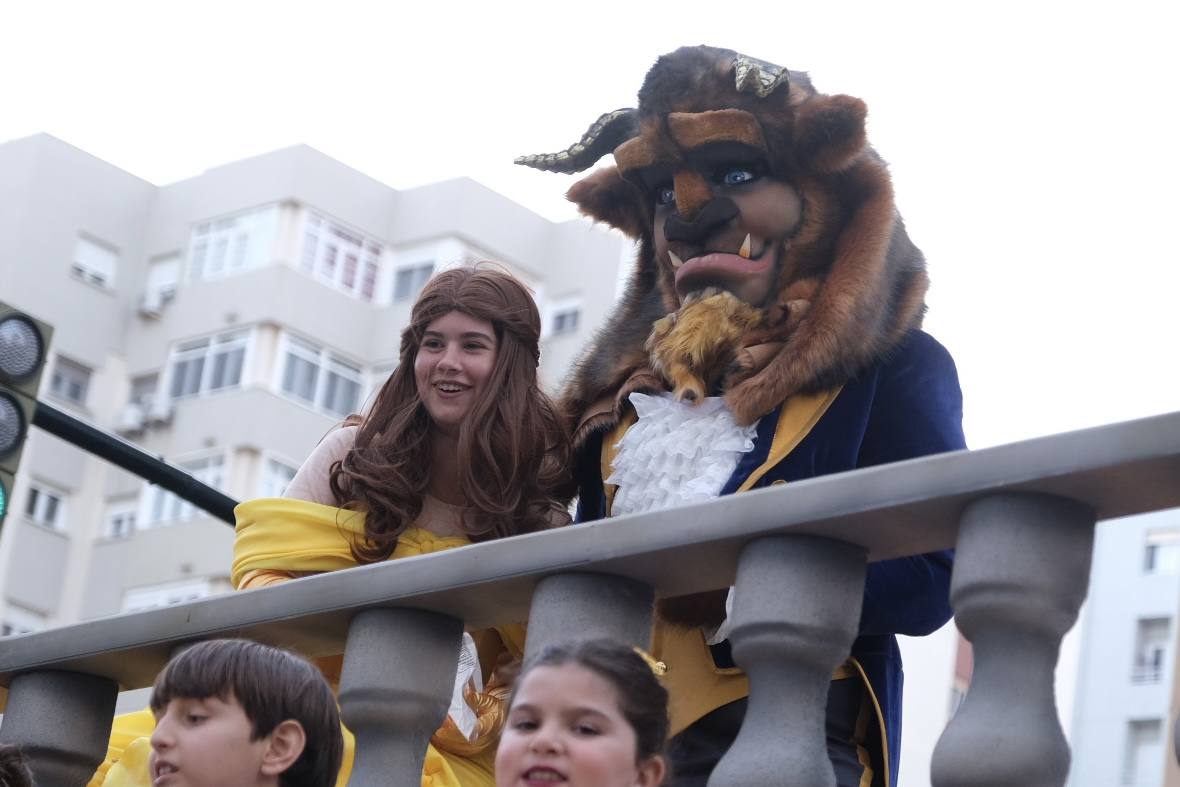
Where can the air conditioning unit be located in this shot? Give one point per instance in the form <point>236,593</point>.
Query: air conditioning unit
<point>151,303</point>
<point>131,419</point>
<point>159,411</point>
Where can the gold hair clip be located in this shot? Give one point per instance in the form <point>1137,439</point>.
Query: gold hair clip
<point>658,668</point>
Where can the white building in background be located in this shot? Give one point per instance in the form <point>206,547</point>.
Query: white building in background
<point>226,322</point>
<point>1125,703</point>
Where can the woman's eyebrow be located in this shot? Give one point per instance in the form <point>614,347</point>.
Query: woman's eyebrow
<point>465,335</point>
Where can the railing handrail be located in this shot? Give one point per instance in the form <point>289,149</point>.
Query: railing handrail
<point>893,510</point>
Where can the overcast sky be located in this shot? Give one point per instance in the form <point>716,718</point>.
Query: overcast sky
<point>1033,145</point>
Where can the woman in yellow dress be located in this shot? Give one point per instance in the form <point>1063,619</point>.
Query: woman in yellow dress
<point>460,445</point>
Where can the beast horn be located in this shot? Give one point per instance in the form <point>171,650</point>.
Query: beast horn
<point>603,136</point>
<point>752,75</point>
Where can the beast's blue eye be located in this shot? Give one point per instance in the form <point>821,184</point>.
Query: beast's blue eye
<point>665,195</point>
<point>737,175</point>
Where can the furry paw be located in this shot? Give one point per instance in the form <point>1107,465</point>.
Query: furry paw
<point>693,347</point>
<point>753,398</point>
<point>675,367</point>
<point>742,366</point>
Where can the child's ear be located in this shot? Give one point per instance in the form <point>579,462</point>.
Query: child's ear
<point>286,744</point>
<point>651,772</point>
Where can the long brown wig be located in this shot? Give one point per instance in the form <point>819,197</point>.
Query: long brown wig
<point>513,451</point>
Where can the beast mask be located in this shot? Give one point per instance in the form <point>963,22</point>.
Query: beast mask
<point>763,219</point>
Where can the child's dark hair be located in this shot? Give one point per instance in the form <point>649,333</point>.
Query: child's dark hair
<point>14,772</point>
<point>642,699</point>
<point>271,685</point>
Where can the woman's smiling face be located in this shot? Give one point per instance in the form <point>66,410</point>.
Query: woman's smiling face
<point>566,727</point>
<point>455,359</point>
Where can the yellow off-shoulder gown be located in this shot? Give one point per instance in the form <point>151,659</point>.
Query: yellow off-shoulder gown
<point>278,538</point>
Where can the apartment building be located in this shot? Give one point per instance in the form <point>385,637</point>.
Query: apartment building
<point>225,323</point>
<point>1126,700</point>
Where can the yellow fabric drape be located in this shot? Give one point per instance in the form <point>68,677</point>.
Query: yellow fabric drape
<point>299,536</point>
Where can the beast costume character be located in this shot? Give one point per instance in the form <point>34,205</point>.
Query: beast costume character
<point>770,333</point>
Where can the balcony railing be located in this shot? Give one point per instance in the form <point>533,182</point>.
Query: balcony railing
<point>1021,517</point>
<point>1147,673</point>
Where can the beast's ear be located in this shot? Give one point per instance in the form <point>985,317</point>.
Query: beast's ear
<point>830,133</point>
<point>604,196</point>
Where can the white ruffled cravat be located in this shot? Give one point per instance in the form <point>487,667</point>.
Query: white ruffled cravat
<point>676,454</point>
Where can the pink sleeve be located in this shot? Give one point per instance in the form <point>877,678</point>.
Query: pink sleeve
<point>311,482</point>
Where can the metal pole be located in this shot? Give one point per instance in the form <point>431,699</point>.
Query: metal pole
<point>134,459</point>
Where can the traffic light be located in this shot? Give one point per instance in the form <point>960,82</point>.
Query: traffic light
<point>24,343</point>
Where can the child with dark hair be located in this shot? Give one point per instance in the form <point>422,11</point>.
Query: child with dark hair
<point>587,714</point>
<point>13,770</point>
<point>233,712</point>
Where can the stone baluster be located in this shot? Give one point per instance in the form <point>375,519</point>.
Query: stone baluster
<point>1176,739</point>
<point>62,723</point>
<point>795,615</point>
<point>395,688</point>
<point>1022,567</point>
<point>580,605</point>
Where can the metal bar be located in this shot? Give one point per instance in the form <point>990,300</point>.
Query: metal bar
<point>134,459</point>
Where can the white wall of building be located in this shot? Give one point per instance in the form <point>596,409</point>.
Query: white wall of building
<point>1121,730</point>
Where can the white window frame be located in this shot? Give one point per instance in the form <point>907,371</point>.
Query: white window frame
<point>1161,552</point>
<point>163,276</point>
<point>378,374</point>
<point>1151,652</point>
<point>274,478</point>
<point>563,307</point>
<point>207,348</point>
<point>165,594</point>
<point>417,274</point>
<point>145,396</point>
<point>69,371</point>
<point>326,362</point>
<point>18,620</point>
<point>1141,735</point>
<point>325,247</point>
<point>120,518</point>
<point>233,243</point>
<point>94,262</point>
<point>161,508</point>
<point>46,505</point>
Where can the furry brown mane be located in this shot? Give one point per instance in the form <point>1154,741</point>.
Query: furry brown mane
<point>868,279</point>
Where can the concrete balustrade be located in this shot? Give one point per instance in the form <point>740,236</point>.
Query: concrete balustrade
<point>589,606</point>
<point>399,672</point>
<point>61,721</point>
<point>1022,567</point>
<point>798,553</point>
<point>795,612</point>
<point>1176,739</point>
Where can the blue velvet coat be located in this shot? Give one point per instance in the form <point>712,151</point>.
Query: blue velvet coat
<point>909,405</point>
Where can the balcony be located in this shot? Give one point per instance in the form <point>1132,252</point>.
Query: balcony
<point>1021,517</point>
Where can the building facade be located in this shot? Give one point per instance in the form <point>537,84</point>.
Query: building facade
<point>226,323</point>
<point>1126,700</point>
